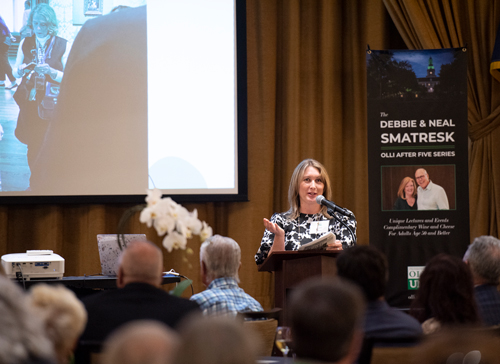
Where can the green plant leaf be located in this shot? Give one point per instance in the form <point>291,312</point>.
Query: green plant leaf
<point>181,287</point>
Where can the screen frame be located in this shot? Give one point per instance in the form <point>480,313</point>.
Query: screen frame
<point>241,141</point>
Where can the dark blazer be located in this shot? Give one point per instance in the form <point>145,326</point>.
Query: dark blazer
<point>110,309</point>
<point>383,321</point>
<point>488,303</point>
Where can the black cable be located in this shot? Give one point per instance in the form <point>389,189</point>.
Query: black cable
<point>22,275</point>
<point>341,220</point>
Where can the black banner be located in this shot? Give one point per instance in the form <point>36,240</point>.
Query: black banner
<point>418,161</point>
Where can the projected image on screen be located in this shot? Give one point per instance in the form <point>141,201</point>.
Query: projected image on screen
<point>139,97</point>
<point>191,126</point>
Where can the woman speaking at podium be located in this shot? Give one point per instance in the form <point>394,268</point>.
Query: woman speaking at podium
<point>307,220</point>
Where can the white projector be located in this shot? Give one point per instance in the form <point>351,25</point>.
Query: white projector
<point>33,265</point>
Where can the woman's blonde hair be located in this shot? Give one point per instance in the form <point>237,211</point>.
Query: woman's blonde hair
<point>63,314</point>
<point>293,189</point>
<point>48,13</point>
<point>402,185</point>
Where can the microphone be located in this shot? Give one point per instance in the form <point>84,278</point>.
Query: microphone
<point>321,200</point>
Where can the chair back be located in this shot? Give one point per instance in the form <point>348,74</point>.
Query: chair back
<point>263,324</point>
<point>398,350</point>
<point>392,355</point>
<point>274,313</point>
<point>265,330</point>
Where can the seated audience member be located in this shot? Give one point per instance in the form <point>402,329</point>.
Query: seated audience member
<point>138,297</point>
<point>63,315</point>
<point>141,342</point>
<point>326,321</point>
<point>366,266</point>
<point>215,340</point>
<point>220,259</point>
<point>22,335</point>
<point>458,346</point>
<point>445,296</point>
<point>483,258</point>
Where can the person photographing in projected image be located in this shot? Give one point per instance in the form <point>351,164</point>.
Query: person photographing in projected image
<point>40,62</point>
<point>307,220</point>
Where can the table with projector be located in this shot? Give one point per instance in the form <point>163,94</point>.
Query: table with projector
<point>44,266</point>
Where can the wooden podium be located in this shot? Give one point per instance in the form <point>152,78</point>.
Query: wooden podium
<point>292,267</point>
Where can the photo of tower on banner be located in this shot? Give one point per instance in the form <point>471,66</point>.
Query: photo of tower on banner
<point>417,160</point>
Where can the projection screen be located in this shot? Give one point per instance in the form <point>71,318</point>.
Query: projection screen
<point>151,97</point>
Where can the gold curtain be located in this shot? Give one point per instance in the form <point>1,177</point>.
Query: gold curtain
<point>456,23</point>
<point>306,98</point>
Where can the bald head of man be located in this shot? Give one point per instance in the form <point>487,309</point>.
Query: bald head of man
<point>141,342</point>
<point>142,262</point>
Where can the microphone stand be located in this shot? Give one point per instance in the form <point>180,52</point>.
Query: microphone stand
<point>331,212</point>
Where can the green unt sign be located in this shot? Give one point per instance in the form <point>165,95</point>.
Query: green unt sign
<point>414,276</point>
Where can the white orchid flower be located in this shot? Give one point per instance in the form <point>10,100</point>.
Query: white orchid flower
<point>180,212</point>
<point>206,232</point>
<point>192,222</point>
<point>153,196</point>
<point>147,216</point>
<point>180,225</point>
<point>166,206</point>
<point>174,240</point>
<point>172,219</point>
<point>164,224</point>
